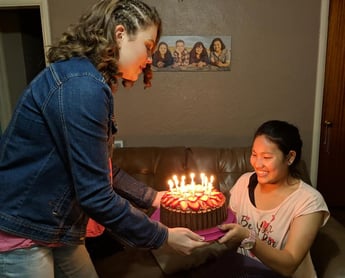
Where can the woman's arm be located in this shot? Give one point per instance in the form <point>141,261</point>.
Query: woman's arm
<point>133,190</point>
<point>302,233</point>
<point>301,237</point>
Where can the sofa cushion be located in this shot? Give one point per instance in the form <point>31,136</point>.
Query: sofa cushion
<point>151,165</point>
<point>156,165</point>
<point>328,250</point>
<point>227,165</point>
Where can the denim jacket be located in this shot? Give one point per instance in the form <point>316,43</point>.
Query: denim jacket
<point>54,170</point>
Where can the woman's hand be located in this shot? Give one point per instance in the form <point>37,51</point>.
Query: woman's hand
<point>234,235</point>
<point>160,64</point>
<point>184,241</point>
<point>157,201</point>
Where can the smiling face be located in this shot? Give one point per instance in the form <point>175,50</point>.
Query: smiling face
<point>217,46</point>
<point>179,47</point>
<point>269,162</point>
<point>135,51</point>
<point>163,49</point>
<point>199,49</point>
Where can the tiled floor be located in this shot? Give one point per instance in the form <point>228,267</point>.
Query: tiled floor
<point>338,213</point>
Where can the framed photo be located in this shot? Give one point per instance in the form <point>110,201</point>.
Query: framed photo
<point>192,53</point>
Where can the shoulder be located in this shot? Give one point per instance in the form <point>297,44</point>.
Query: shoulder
<point>239,192</point>
<point>309,191</point>
<point>246,176</point>
<point>79,74</point>
<point>75,67</point>
<point>242,182</point>
<point>308,200</point>
<point>82,81</point>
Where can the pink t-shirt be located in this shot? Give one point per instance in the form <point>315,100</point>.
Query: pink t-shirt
<point>272,226</point>
<point>10,242</point>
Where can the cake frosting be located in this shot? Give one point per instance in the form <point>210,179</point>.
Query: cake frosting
<point>196,207</point>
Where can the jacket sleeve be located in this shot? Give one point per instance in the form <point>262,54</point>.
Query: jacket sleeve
<point>133,190</point>
<point>86,105</point>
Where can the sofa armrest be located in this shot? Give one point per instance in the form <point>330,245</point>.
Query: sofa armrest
<point>328,250</point>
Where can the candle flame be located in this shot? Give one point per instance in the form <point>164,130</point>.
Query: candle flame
<point>181,188</point>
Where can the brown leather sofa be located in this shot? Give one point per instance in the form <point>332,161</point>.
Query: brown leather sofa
<point>155,165</point>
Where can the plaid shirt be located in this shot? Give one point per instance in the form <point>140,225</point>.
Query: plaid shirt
<point>182,60</point>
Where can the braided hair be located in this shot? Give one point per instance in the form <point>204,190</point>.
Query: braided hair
<point>93,36</point>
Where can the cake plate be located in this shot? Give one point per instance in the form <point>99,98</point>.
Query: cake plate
<point>210,234</point>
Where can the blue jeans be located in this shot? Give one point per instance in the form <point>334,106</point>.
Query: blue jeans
<point>66,261</point>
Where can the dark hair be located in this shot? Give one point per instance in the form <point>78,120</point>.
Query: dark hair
<point>163,43</point>
<point>286,136</point>
<point>221,42</point>
<point>179,41</point>
<point>203,55</point>
<point>157,57</point>
<point>93,36</point>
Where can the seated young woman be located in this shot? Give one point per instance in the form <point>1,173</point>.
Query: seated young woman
<point>278,214</point>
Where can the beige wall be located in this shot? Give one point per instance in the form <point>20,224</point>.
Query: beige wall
<point>273,76</point>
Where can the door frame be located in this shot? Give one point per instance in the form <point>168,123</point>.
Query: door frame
<point>5,110</point>
<point>320,80</point>
<point>43,5</point>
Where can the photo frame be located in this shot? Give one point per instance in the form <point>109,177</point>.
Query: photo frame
<point>192,53</point>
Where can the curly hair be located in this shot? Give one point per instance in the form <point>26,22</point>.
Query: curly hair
<point>93,36</point>
<point>221,43</point>
<point>203,55</point>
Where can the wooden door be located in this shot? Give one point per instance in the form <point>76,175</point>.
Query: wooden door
<point>331,172</point>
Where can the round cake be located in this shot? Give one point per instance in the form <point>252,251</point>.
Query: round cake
<point>195,207</point>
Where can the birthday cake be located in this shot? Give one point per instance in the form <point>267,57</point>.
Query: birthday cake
<point>194,206</point>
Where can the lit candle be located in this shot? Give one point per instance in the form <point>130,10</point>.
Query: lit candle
<point>183,178</point>
<point>179,186</point>
<point>192,175</point>
<point>206,183</point>
<point>192,189</point>
<point>209,187</point>
<point>210,184</point>
<point>202,176</point>
<point>212,179</point>
<point>171,185</point>
<point>176,181</point>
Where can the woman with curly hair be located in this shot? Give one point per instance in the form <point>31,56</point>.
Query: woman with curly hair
<point>55,167</point>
